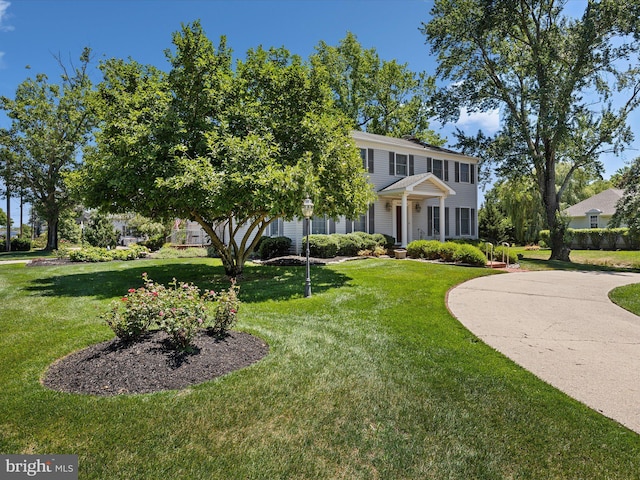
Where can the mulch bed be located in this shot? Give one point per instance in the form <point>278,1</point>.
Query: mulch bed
<point>45,262</point>
<point>151,365</point>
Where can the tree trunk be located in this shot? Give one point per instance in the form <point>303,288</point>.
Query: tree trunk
<point>52,234</point>
<point>557,230</point>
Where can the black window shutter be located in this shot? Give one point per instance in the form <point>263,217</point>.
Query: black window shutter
<point>370,159</point>
<point>472,167</point>
<point>372,215</point>
<point>348,226</point>
<point>456,167</point>
<point>446,170</point>
<point>429,221</point>
<point>446,221</point>
<point>429,164</point>
<point>473,222</point>
<point>457,221</point>
<point>392,163</point>
<point>411,162</point>
<point>332,226</point>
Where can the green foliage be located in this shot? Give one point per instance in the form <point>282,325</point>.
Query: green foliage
<point>378,96</point>
<point>99,254</point>
<point>233,146</point>
<point>321,246</point>
<point>500,254</point>
<point>470,255</point>
<point>154,243</point>
<point>49,124</point>
<point>68,228</point>
<point>180,310</point>
<point>628,206</point>
<point>599,238</point>
<point>493,224</point>
<point>168,251</point>
<point>100,232</point>
<point>20,244</point>
<point>271,247</point>
<point>427,249</point>
<point>544,76</point>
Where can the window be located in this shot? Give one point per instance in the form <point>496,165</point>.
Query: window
<point>276,228</point>
<point>465,172</point>
<point>367,159</point>
<point>593,221</point>
<point>465,222</point>
<point>364,223</point>
<point>437,168</point>
<point>433,219</point>
<point>360,224</point>
<point>400,165</point>
<point>319,225</point>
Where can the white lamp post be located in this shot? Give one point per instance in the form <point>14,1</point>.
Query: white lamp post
<point>307,211</point>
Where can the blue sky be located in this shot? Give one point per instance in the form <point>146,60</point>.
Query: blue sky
<point>33,31</point>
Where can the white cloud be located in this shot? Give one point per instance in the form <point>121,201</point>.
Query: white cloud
<point>4,5</point>
<point>488,122</point>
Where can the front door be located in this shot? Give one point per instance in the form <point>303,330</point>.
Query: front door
<point>399,224</point>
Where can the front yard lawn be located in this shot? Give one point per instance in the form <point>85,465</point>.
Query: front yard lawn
<point>369,378</point>
<point>627,297</point>
<point>580,260</point>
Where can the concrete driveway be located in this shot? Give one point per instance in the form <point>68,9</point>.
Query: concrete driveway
<point>562,327</point>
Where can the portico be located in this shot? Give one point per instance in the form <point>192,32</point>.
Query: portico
<point>411,191</point>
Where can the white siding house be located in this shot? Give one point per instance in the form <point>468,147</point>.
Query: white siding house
<point>423,192</point>
<point>596,211</point>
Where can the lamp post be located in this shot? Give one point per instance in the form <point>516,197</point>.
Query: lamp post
<point>307,211</point>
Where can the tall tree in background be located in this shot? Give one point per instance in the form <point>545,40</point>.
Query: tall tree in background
<point>379,96</point>
<point>50,123</point>
<point>553,77</point>
<point>628,207</point>
<point>231,148</point>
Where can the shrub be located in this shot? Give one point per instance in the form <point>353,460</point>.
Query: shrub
<point>226,310</point>
<point>270,247</point>
<point>500,252</point>
<point>321,246</point>
<point>20,244</point>
<point>98,254</point>
<point>154,243</point>
<point>465,253</point>
<point>427,249</point>
<point>448,251</point>
<point>349,244</point>
<point>180,311</point>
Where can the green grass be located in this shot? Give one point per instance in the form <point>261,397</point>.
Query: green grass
<point>25,255</point>
<point>369,378</point>
<point>580,260</point>
<point>628,297</point>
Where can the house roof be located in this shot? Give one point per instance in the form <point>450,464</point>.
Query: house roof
<point>407,143</point>
<point>604,203</point>
<point>423,185</point>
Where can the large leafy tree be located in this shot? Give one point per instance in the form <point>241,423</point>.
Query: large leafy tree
<point>231,148</point>
<point>379,96</point>
<point>49,124</point>
<point>554,78</point>
<point>628,207</point>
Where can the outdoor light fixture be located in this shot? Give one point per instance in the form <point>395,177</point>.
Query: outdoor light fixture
<point>307,211</point>
<point>387,206</point>
<point>418,207</point>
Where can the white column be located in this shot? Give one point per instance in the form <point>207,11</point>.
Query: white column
<point>442,219</point>
<point>404,219</point>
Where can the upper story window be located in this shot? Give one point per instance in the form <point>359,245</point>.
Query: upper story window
<point>400,165</point>
<point>440,168</point>
<point>465,172</point>
<point>367,159</point>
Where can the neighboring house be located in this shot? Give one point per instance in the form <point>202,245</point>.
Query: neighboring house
<point>596,211</point>
<point>423,192</point>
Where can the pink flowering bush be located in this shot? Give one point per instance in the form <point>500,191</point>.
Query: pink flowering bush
<point>180,310</point>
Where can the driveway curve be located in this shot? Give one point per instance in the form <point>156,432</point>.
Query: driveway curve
<point>562,327</point>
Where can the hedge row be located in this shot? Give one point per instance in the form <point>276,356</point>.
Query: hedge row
<point>99,254</point>
<point>349,244</point>
<point>599,238</point>
<point>448,252</point>
<point>18,244</point>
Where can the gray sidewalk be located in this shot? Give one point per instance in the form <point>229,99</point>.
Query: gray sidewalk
<point>562,327</point>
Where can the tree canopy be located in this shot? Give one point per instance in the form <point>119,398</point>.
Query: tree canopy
<point>379,96</point>
<point>49,124</point>
<point>628,207</point>
<point>231,147</point>
<point>556,79</point>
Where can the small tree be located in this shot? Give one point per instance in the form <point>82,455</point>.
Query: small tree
<point>628,207</point>
<point>100,232</point>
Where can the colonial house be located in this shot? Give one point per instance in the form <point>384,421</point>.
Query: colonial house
<point>596,211</point>
<point>423,192</point>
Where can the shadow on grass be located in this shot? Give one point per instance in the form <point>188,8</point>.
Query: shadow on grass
<point>258,282</point>
<point>542,264</point>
